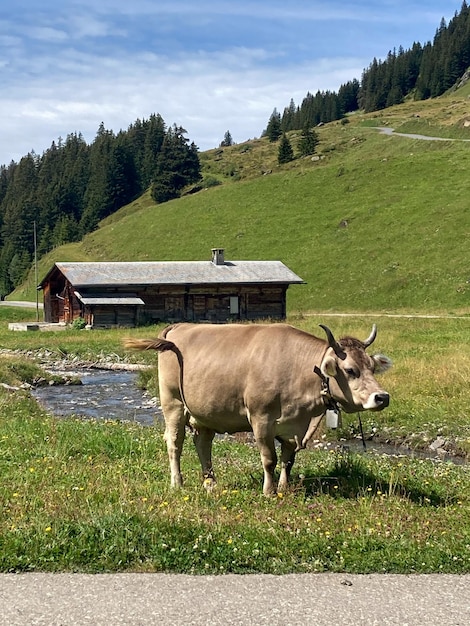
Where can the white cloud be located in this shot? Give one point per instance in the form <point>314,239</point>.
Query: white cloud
<point>46,34</point>
<point>206,92</point>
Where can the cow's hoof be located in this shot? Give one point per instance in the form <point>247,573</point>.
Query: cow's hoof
<point>209,484</point>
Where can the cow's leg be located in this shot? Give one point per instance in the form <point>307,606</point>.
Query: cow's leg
<point>264,436</point>
<point>287,461</point>
<point>203,438</point>
<point>175,430</point>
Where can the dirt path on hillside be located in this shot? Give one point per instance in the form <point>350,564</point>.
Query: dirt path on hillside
<point>402,315</point>
<point>390,131</point>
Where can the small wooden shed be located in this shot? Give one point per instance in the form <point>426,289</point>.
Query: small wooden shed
<point>130,294</point>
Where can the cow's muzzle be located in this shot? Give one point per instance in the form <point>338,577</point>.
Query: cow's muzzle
<point>377,401</point>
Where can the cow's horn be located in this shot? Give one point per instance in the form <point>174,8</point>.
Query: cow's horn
<point>371,338</point>
<point>333,343</point>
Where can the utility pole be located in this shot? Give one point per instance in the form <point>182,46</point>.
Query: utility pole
<point>36,271</point>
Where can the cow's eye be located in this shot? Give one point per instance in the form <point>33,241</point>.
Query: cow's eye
<point>351,372</point>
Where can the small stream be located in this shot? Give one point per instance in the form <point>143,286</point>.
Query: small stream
<point>378,448</point>
<point>103,394</point>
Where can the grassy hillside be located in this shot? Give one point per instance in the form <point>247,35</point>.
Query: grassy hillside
<point>377,223</point>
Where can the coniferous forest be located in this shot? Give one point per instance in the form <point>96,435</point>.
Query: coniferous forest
<point>64,193</point>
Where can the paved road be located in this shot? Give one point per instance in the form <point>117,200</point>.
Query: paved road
<point>250,600</point>
<point>21,304</point>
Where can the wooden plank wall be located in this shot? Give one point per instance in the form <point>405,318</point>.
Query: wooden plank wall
<point>169,304</point>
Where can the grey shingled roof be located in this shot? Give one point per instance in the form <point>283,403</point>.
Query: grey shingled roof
<point>177,273</point>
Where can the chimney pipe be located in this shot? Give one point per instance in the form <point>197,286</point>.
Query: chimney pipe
<point>218,256</point>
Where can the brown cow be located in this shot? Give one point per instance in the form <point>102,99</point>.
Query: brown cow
<point>274,380</point>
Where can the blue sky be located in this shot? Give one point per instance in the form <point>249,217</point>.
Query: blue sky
<point>209,66</point>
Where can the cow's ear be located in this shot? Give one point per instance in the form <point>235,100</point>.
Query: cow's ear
<point>382,363</point>
<point>328,367</point>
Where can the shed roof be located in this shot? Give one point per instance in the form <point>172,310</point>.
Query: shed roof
<point>175,273</point>
<point>108,299</point>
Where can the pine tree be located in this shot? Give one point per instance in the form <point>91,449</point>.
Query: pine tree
<point>20,206</point>
<point>177,166</point>
<point>289,119</point>
<point>227,140</point>
<point>273,129</point>
<point>64,230</point>
<point>423,82</point>
<point>123,181</point>
<point>347,96</point>
<point>155,131</point>
<point>308,141</point>
<point>18,268</point>
<point>285,153</point>
<point>97,202</point>
<point>7,252</point>
<point>74,180</point>
<point>49,173</point>
<point>309,111</point>
<point>18,213</point>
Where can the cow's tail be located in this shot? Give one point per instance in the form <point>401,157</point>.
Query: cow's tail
<point>160,345</point>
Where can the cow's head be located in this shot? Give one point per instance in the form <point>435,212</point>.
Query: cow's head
<point>350,373</point>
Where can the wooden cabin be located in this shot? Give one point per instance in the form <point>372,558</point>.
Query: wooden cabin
<point>127,294</point>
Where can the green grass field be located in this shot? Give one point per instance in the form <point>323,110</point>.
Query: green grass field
<point>78,495</point>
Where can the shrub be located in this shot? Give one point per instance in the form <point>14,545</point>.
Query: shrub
<point>78,324</point>
<point>210,181</point>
